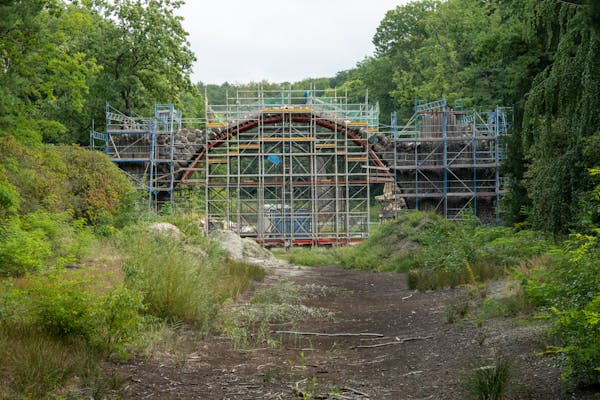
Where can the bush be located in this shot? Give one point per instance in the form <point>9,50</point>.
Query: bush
<point>82,305</point>
<point>62,178</point>
<point>579,334</point>
<point>439,253</point>
<point>568,286</point>
<point>22,251</point>
<point>40,239</point>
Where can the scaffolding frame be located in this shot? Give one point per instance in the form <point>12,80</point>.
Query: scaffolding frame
<point>288,167</point>
<point>143,147</point>
<point>295,167</point>
<point>448,159</point>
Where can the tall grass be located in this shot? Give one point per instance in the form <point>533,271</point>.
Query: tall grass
<point>34,364</point>
<point>180,285</point>
<point>491,383</point>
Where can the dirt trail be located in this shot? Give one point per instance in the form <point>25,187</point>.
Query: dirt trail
<point>421,356</point>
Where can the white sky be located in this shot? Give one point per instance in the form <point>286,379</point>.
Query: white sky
<point>239,41</point>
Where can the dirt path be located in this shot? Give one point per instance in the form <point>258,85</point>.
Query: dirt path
<point>421,356</point>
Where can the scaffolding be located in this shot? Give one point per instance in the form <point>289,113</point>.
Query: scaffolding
<point>296,167</point>
<point>143,147</point>
<point>448,160</point>
<point>284,167</point>
<point>289,167</point>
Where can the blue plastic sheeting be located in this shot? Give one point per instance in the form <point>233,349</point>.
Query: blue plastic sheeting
<point>287,225</point>
<point>274,159</point>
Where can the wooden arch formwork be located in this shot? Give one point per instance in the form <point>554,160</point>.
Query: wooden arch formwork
<point>289,168</point>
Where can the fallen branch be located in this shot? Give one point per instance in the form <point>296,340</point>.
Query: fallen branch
<point>328,334</point>
<point>397,341</point>
<point>349,389</point>
<point>412,373</point>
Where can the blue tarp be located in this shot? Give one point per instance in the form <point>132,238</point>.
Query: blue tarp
<point>274,159</point>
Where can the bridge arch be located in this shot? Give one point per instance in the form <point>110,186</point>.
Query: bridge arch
<point>291,175</point>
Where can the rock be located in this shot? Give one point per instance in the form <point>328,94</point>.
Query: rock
<point>165,229</point>
<point>244,249</point>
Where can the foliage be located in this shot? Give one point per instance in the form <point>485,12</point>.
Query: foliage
<point>560,114</point>
<point>144,51</point>
<point>49,195</point>
<point>88,305</point>
<point>578,331</point>
<point>63,178</point>
<point>61,61</point>
<point>439,253</point>
<point>569,287</point>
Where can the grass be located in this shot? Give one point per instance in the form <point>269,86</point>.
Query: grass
<point>490,383</point>
<point>309,256</point>
<point>435,252</point>
<point>180,286</point>
<point>131,293</point>
<point>278,303</point>
<point>35,365</point>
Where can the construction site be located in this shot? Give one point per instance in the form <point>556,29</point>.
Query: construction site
<point>303,167</point>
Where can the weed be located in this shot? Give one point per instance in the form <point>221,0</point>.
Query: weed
<point>278,303</point>
<point>178,285</point>
<point>35,364</point>
<point>490,382</point>
<point>457,310</point>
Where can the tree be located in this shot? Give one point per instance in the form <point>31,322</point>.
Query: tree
<point>144,53</point>
<point>41,75</point>
<point>561,113</point>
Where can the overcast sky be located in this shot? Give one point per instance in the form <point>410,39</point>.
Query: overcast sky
<point>239,41</point>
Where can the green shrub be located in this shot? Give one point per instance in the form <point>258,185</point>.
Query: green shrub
<point>63,178</point>
<point>40,239</point>
<point>568,285</point>
<point>578,331</point>
<point>79,305</point>
<point>22,251</point>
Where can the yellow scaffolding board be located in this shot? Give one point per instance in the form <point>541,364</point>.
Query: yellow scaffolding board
<point>357,158</point>
<point>325,145</point>
<point>215,124</point>
<point>217,160</point>
<point>286,110</point>
<point>357,123</point>
<point>373,130</point>
<point>288,139</point>
<point>248,146</point>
